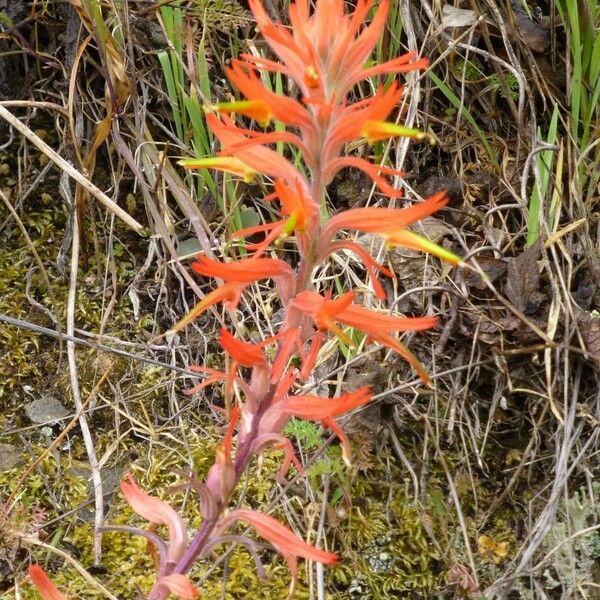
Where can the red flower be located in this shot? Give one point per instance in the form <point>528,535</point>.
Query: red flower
<point>318,408</point>
<point>229,164</point>
<point>300,210</point>
<point>246,270</point>
<point>47,590</point>
<point>247,355</point>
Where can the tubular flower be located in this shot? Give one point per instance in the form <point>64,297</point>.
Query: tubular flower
<point>300,210</point>
<point>229,293</point>
<point>43,584</point>
<point>247,355</point>
<point>245,270</point>
<point>318,408</point>
<point>160,513</point>
<point>287,543</point>
<point>375,131</point>
<point>263,105</point>
<point>258,110</point>
<point>229,164</point>
<point>255,157</point>
<point>326,313</point>
<point>390,223</point>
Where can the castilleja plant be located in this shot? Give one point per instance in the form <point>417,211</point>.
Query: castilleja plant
<point>324,55</point>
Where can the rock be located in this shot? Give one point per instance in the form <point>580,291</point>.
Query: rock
<point>10,457</point>
<point>46,409</point>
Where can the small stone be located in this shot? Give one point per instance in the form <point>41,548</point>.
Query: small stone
<point>10,457</point>
<point>46,409</point>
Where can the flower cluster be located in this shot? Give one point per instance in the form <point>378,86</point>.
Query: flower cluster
<point>324,54</point>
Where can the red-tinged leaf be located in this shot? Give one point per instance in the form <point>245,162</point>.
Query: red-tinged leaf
<point>159,512</point>
<point>248,355</point>
<point>384,220</point>
<point>228,293</point>
<point>285,540</point>
<point>43,584</point>
<point>318,408</point>
<point>179,585</point>
<point>246,270</point>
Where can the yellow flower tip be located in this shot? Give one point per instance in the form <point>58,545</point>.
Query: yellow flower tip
<point>258,110</point>
<point>230,164</point>
<point>375,131</point>
<point>210,108</point>
<point>290,225</point>
<point>311,77</point>
<point>409,239</point>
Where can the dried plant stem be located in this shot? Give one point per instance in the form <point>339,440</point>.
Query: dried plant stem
<point>70,170</point>
<point>83,423</point>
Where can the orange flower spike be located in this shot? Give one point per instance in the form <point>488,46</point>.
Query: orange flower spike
<point>246,270</point>
<point>158,512</point>
<point>318,408</point>
<point>178,584</point>
<point>43,584</point>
